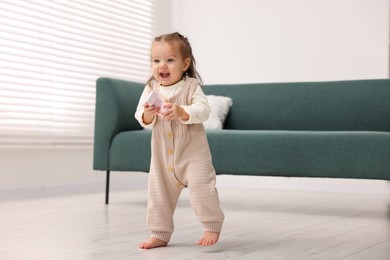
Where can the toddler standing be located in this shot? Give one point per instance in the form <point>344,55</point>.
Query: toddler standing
<point>180,152</point>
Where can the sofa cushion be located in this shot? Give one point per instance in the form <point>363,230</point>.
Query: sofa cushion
<point>357,105</point>
<point>341,154</point>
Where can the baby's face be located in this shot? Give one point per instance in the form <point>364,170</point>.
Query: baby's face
<point>167,64</point>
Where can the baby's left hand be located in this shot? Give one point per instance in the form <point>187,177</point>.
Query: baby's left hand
<point>174,111</point>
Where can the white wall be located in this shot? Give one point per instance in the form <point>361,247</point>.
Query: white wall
<point>57,171</point>
<point>237,41</point>
<point>163,14</point>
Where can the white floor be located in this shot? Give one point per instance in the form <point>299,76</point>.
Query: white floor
<point>260,224</point>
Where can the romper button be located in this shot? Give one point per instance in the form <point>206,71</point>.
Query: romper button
<point>179,185</point>
<point>170,134</point>
<point>170,151</point>
<point>170,170</point>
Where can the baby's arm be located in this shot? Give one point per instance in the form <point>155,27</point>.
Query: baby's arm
<point>196,113</point>
<point>144,113</point>
<point>199,110</point>
<point>150,113</point>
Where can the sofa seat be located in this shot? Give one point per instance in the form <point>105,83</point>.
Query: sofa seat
<point>341,154</point>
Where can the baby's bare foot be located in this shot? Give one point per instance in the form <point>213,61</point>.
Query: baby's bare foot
<point>152,243</point>
<point>209,238</point>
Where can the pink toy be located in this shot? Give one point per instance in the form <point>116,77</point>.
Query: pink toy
<point>154,100</point>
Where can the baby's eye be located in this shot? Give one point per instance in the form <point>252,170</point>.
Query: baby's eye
<point>170,60</point>
<point>156,61</point>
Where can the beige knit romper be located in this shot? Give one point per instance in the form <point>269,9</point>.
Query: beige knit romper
<point>181,158</point>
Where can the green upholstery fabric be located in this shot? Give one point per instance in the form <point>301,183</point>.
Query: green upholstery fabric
<point>116,102</point>
<point>361,105</point>
<point>302,153</point>
<point>335,129</point>
<point>130,151</point>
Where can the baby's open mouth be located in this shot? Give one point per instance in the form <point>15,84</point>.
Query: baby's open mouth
<point>164,75</point>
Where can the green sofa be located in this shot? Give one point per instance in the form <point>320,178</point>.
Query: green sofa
<point>338,129</point>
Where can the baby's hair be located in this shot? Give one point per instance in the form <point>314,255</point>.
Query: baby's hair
<point>185,52</point>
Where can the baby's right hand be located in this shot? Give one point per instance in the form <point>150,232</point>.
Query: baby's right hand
<point>151,110</point>
<point>149,113</point>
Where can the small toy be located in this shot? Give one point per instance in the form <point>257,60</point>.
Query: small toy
<point>154,100</point>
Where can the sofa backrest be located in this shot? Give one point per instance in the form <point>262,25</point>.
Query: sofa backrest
<point>361,105</point>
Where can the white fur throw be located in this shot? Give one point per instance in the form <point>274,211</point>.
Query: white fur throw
<point>219,109</point>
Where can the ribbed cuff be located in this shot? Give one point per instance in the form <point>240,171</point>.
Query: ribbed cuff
<point>164,236</point>
<point>212,226</point>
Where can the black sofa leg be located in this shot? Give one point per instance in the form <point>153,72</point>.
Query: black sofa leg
<point>107,186</point>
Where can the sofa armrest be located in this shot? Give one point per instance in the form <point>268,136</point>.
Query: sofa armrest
<point>116,103</point>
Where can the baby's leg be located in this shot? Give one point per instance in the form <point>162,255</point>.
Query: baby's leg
<point>209,238</point>
<point>152,242</point>
<point>205,202</point>
<point>162,202</point>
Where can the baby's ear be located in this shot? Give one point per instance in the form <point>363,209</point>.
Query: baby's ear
<point>186,64</point>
